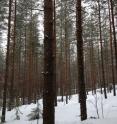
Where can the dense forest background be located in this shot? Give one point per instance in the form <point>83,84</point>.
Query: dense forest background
<point>56,48</point>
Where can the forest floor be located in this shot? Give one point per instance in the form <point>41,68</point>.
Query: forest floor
<point>104,113</point>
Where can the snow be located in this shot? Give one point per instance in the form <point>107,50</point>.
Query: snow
<point>70,113</point>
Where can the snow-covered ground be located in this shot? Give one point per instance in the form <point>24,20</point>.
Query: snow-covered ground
<point>70,113</point>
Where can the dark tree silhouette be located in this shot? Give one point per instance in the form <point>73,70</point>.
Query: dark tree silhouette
<point>48,90</point>
<point>81,81</point>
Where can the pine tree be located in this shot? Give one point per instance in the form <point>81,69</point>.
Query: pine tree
<point>114,37</point>
<point>81,81</point>
<point>101,46</point>
<point>54,49</point>
<point>11,100</point>
<point>48,90</point>
<point>111,49</point>
<point>7,66</point>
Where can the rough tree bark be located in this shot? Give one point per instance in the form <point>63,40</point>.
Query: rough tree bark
<point>82,93</point>
<point>48,91</point>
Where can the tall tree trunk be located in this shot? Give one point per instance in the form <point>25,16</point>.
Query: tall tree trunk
<point>82,92</point>
<point>111,48</point>
<point>66,54</point>
<point>102,59</point>
<point>7,66</point>
<point>114,37</point>
<point>54,57</point>
<point>11,100</point>
<point>61,63</point>
<point>48,91</point>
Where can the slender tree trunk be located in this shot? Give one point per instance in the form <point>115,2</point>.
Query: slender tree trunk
<point>11,100</point>
<point>54,50</point>
<point>69,71</point>
<point>61,58</point>
<point>7,66</point>
<point>114,37</point>
<point>102,59</point>
<point>66,54</point>
<point>82,92</point>
<point>111,47</point>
